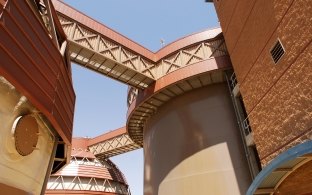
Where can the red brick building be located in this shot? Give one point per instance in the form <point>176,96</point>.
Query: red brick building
<point>269,43</point>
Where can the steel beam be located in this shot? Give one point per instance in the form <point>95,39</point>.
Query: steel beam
<point>111,144</point>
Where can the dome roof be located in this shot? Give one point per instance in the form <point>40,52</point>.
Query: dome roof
<point>85,174</point>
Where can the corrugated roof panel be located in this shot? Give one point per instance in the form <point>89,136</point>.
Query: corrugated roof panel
<point>272,180</point>
<point>292,163</point>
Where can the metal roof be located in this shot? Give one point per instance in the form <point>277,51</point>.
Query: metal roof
<point>87,173</point>
<point>273,175</point>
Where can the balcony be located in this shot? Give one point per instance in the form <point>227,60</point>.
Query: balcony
<point>234,85</point>
<point>248,133</point>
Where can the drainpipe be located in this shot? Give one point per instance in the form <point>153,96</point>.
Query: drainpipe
<point>238,118</point>
<point>50,165</point>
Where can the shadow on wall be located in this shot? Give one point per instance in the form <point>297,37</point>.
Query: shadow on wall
<point>194,137</point>
<point>5,189</point>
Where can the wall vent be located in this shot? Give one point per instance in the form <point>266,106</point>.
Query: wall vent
<point>277,51</point>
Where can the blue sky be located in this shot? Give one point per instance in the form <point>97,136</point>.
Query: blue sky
<point>100,101</point>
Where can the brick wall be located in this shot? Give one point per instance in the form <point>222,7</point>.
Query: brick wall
<point>277,97</point>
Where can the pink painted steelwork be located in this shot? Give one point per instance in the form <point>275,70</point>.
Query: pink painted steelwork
<point>85,20</point>
<point>54,94</point>
<point>84,169</point>
<point>107,136</point>
<point>182,74</point>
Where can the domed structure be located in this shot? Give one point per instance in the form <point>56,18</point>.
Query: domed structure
<point>85,174</point>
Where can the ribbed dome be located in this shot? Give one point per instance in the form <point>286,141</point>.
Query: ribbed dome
<point>85,174</point>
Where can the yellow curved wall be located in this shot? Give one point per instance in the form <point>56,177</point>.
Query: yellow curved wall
<point>21,174</point>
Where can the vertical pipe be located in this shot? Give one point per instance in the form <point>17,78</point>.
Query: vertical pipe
<point>240,128</point>
<point>49,169</point>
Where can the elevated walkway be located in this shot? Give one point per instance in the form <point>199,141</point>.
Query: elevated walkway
<point>99,48</point>
<point>96,47</point>
<point>111,144</point>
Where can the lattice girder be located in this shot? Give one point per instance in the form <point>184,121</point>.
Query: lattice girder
<point>195,53</point>
<point>78,183</point>
<point>91,49</point>
<point>105,51</point>
<point>114,146</point>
